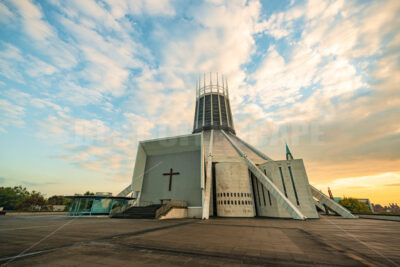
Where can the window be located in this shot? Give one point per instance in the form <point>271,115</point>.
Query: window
<point>283,181</point>
<point>242,202</point>
<point>294,186</point>
<point>231,194</point>
<point>262,188</point>
<point>241,194</point>
<point>225,202</point>
<point>235,202</point>
<point>224,194</point>
<point>269,197</point>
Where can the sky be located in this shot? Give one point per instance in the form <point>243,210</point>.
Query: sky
<point>82,81</point>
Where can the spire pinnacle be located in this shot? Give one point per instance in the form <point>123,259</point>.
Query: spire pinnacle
<point>289,155</point>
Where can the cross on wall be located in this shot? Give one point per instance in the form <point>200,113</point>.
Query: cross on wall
<point>170,174</point>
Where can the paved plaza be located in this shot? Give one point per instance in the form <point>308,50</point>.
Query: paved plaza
<point>62,241</point>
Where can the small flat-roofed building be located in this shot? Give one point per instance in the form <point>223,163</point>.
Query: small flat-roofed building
<point>89,205</point>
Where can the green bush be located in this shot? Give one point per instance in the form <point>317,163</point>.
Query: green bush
<point>354,206</point>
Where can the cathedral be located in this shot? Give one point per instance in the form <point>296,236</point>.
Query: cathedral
<point>215,173</point>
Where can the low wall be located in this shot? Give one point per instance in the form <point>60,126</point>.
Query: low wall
<point>380,217</point>
<point>195,212</point>
<point>175,213</point>
<point>35,213</point>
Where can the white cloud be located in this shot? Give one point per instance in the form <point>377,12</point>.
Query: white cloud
<point>104,73</point>
<point>10,114</point>
<point>279,82</point>
<point>37,68</point>
<point>32,20</point>
<point>17,96</point>
<point>5,14</point>
<point>93,145</point>
<point>139,7</point>
<point>44,103</point>
<point>10,56</point>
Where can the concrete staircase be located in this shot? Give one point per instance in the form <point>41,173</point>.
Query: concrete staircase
<point>146,212</point>
<point>332,205</point>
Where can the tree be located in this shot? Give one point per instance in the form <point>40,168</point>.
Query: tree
<point>12,197</point>
<point>56,200</point>
<point>67,202</point>
<point>35,199</point>
<point>354,206</point>
<point>88,193</point>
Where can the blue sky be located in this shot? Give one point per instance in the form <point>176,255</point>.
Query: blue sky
<point>81,82</point>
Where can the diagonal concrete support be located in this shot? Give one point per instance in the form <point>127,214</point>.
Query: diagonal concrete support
<point>323,208</point>
<point>319,205</point>
<point>207,194</point>
<point>339,209</point>
<point>282,200</point>
<point>126,191</point>
<point>255,150</point>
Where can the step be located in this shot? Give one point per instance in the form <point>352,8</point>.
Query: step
<point>146,212</point>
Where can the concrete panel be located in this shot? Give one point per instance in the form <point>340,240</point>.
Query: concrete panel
<point>139,169</point>
<point>173,144</point>
<point>185,186</point>
<point>270,207</point>
<point>233,190</point>
<point>305,201</point>
<point>266,181</point>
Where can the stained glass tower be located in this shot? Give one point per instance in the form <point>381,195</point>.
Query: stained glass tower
<point>213,109</point>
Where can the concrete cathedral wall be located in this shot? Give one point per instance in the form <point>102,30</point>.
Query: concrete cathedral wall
<point>304,202</point>
<point>185,186</point>
<point>234,196</point>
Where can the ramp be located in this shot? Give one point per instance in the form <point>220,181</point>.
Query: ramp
<point>282,200</point>
<point>332,205</point>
